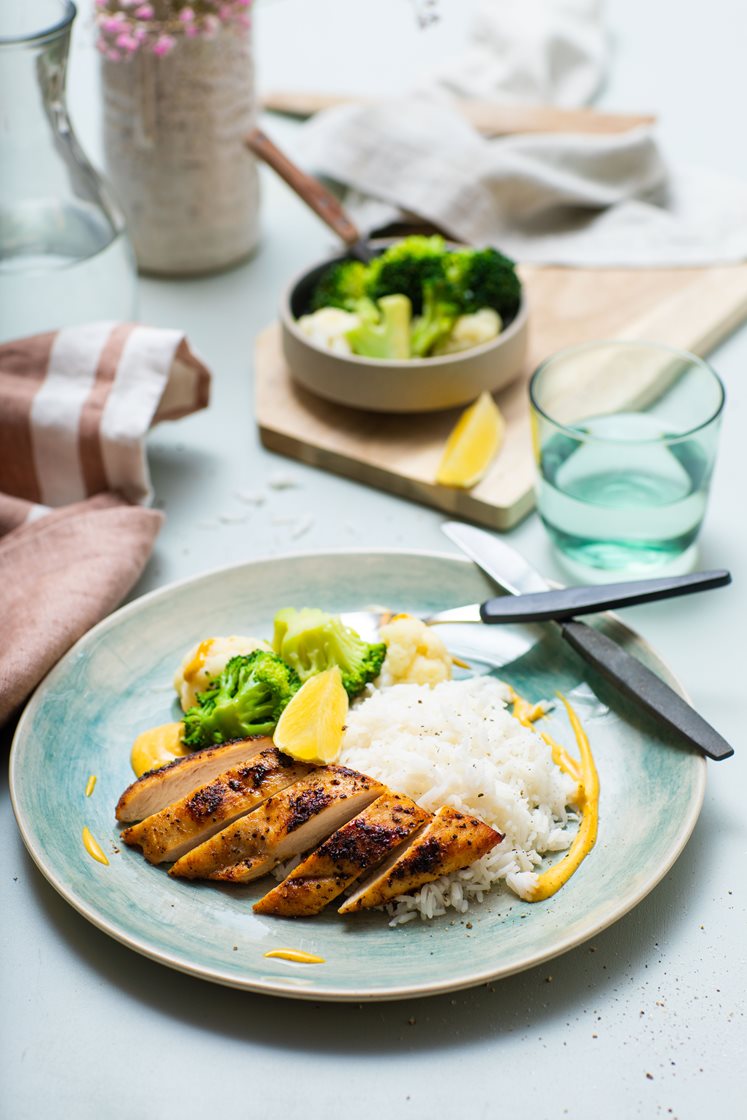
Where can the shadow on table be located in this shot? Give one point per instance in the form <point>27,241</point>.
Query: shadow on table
<point>178,471</point>
<point>532,1001</point>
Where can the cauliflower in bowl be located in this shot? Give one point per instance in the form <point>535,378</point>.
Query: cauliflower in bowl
<point>470,330</point>
<point>206,661</point>
<point>328,327</point>
<point>414,653</point>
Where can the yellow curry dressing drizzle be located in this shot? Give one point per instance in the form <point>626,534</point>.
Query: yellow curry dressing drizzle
<point>156,747</point>
<point>93,848</point>
<point>586,800</point>
<point>90,785</point>
<point>199,659</point>
<point>295,955</point>
<point>527,714</point>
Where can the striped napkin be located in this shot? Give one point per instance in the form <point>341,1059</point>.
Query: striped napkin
<point>75,405</point>
<point>59,575</point>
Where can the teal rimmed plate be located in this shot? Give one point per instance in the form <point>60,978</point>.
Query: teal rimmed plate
<point>117,681</point>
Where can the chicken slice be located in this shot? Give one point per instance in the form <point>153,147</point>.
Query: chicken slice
<point>292,821</point>
<point>359,846</point>
<point>159,788</point>
<point>451,841</point>
<point>179,827</point>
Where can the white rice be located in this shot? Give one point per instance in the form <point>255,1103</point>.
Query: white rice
<point>456,744</point>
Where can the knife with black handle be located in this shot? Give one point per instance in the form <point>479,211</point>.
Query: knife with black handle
<point>566,602</point>
<point>511,571</point>
<point>643,686</point>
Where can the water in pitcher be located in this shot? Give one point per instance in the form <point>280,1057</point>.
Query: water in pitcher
<point>70,267</point>
<point>64,253</point>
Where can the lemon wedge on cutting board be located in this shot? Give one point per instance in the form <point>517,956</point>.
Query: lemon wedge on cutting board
<point>311,727</point>
<point>473,444</point>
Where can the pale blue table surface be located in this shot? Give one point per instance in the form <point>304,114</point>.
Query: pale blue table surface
<point>645,1021</point>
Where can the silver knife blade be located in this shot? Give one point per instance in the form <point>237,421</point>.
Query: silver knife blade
<point>629,675</point>
<point>502,563</point>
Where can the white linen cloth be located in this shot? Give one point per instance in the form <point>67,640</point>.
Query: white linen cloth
<point>542,52</point>
<point>567,199</point>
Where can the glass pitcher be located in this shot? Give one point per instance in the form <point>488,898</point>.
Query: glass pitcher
<point>65,257</point>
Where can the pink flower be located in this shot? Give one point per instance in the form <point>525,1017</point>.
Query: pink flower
<point>163,44</point>
<point>210,26</point>
<point>113,56</point>
<point>113,24</point>
<point>145,11</point>
<point>127,42</point>
<point>191,31</point>
<point>186,15</point>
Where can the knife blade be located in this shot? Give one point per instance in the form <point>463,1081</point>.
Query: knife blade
<point>512,572</point>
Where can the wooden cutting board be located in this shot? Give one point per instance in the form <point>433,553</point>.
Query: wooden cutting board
<point>691,308</point>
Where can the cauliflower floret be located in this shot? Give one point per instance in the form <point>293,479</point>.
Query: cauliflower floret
<point>206,661</point>
<point>414,653</point>
<point>470,330</point>
<point>328,327</point>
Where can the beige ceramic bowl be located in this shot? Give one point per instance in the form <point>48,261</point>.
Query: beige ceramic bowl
<point>417,385</point>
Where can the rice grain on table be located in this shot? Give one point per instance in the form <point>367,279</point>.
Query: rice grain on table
<point>457,744</point>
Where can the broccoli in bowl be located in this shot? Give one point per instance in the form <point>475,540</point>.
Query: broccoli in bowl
<point>420,298</point>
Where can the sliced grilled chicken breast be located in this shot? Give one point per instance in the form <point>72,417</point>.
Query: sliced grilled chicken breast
<point>179,827</point>
<point>451,841</point>
<point>357,847</point>
<point>292,821</point>
<point>159,788</point>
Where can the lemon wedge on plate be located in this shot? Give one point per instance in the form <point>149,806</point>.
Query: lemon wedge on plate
<point>472,445</point>
<point>311,727</point>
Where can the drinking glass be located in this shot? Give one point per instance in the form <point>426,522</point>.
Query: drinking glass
<point>625,436</point>
<point>64,253</point>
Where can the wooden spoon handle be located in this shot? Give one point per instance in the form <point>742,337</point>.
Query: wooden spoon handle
<point>313,193</point>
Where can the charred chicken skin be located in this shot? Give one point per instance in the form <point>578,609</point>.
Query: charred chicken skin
<point>159,788</point>
<point>175,830</point>
<point>356,848</point>
<point>451,841</point>
<point>291,822</point>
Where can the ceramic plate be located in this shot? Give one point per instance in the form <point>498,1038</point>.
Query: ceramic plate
<point>117,681</point>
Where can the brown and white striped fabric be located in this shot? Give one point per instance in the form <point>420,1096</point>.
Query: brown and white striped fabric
<point>75,405</point>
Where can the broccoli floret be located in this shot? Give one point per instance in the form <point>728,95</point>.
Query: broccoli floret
<point>437,284</point>
<point>387,338</point>
<point>246,699</point>
<point>341,285</point>
<point>311,641</point>
<point>405,268</point>
<point>440,312</point>
<point>484,278</point>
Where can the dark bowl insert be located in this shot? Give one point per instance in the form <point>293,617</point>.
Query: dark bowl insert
<point>300,297</point>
